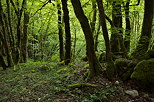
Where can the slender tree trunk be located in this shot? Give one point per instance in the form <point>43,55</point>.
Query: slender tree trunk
<point>128,28</point>
<point>93,23</point>
<point>95,67</point>
<point>145,37</point>
<point>67,32</point>
<point>110,68</point>
<point>60,32</point>
<point>96,37</point>
<point>25,35</point>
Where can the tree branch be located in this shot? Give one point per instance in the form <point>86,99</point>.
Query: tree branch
<point>41,8</point>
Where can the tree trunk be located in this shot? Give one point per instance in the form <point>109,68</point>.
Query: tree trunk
<point>96,37</point>
<point>145,37</point>
<point>60,32</point>
<point>128,29</point>
<point>4,33</point>
<point>67,32</point>
<point>2,62</point>
<point>25,35</point>
<point>93,23</point>
<point>94,65</point>
<point>110,68</point>
<point>117,42</point>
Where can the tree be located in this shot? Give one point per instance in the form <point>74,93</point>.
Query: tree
<point>145,37</point>
<point>4,33</point>
<point>60,32</point>
<point>128,28</point>
<point>117,41</point>
<point>110,68</point>
<point>94,65</point>
<point>25,35</point>
<point>67,32</point>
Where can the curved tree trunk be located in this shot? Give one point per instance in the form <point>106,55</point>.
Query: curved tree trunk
<point>95,67</point>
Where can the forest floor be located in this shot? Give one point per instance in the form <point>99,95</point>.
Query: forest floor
<point>54,82</point>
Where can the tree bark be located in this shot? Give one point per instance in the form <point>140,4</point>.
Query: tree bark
<point>67,32</point>
<point>94,65</point>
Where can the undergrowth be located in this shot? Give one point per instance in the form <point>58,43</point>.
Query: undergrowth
<point>47,82</point>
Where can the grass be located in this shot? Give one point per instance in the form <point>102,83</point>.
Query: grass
<point>47,82</point>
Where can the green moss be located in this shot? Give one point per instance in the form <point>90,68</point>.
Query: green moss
<point>120,62</point>
<point>140,52</point>
<point>81,85</point>
<point>121,65</point>
<point>144,73</point>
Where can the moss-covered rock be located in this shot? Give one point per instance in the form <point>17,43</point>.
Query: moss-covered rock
<point>121,65</point>
<point>144,73</point>
<point>130,68</point>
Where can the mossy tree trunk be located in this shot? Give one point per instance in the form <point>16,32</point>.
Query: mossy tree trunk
<point>117,41</point>
<point>67,32</point>
<point>18,11</point>
<point>24,40</point>
<point>95,67</point>
<point>110,67</point>
<point>60,32</point>
<point>4,32</point>
<point>145,37</point>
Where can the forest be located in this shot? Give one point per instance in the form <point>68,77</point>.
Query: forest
<point>76,51</point>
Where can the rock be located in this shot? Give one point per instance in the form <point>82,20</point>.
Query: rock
<point>132,93</point>
<point>143,74</point>
<point>152,99</point>
<point>146,95</point>
<point>116,83</point>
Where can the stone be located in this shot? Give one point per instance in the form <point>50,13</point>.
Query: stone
<point>116,83</point>
<point>143,74</point>
<point>132,93</point>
